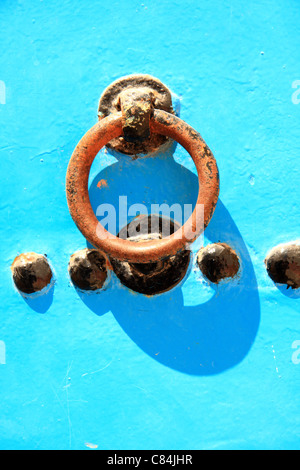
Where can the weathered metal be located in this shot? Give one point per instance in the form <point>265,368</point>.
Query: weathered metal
<point>87,269</point>
<point>157,277</point>
<point>133,94</point>
<point>31,272</point>
<point>283,265</point>
<point>100,134</point>
<point>218,261</point>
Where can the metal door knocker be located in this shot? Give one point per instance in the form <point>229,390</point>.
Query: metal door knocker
<point>135,116</point>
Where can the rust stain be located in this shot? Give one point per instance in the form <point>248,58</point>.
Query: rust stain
<point>102,184</point>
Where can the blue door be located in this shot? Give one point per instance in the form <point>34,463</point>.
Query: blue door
<point>203,365</point>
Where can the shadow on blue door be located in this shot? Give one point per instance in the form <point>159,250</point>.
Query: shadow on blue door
<point>202,339</point>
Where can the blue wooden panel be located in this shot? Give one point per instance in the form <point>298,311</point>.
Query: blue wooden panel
<point>198,367</point>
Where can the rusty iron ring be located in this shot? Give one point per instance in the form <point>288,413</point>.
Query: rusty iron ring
<point>78,196</point>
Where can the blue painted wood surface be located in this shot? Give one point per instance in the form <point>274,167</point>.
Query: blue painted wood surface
<point>198,367</point>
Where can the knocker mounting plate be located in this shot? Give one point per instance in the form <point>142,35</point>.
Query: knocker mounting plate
<point>136,95</point>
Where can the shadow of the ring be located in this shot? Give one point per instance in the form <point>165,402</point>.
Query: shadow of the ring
<point>202,339</point>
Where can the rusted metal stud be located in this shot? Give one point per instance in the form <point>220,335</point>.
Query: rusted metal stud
<point>157,277</point>
<point>283,265</point>
<point>218,261</point>
<point>31,272</point>
<point>88,269</point>
<point>133,94</point>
